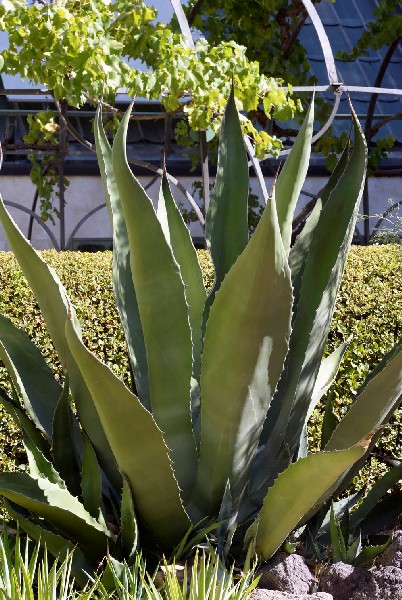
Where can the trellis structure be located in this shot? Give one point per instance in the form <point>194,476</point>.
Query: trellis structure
<point>332,84</point>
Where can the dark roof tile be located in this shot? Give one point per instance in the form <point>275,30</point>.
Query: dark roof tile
<point>344,22</point>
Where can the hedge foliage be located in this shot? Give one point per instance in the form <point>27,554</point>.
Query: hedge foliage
<point>369,307</point>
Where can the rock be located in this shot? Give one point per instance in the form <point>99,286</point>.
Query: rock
<point>287,573</point>
<point>345,581</point>
<point>388,582</point>
<point>260,594</point>
<point>392,556</point>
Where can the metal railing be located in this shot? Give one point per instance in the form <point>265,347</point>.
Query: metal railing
<point>332,85</point>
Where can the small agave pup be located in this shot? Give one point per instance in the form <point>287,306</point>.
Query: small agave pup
<point>214,428</point>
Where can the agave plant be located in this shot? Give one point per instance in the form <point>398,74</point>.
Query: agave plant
<point>214,425</point>
<point>342,529</point>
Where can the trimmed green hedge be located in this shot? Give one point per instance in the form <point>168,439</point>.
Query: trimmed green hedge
<point>369,307</point>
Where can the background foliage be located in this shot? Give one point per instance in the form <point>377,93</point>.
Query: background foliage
<point>368,307</point>
<point>81,51</point>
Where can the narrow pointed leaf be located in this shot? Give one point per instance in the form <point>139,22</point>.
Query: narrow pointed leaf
<point>129,527</point>
<point>320,283</point>
<point>91,480</point>
<point>244,350</point>
<point>321,280</point>
<point>226,226</point>
<point>224,516</point>
<point>30,374</point>
<point>53,300</point>
<point>66,448</point>
<point>25,424</point>
<point>379,489</point>
<point>164,316</point>
<point>329,422</point>
<point>39,465</point>
<point>296,491</point>
<point>303,443</point>
<point>354,549</point>
<point>62,510</point>
<point>137,444</point>
<point>328,370</point>
<point>292,177</point>
<point>383,514</point>
<point>338,546</point>
<point>122,278</point>
<point>375,404</point>
<point>340,507</point>
<point>369,553</point>
<point>178,237</point>
<point>58,546</point>
<point>326,375</point>
<point>299,252</point>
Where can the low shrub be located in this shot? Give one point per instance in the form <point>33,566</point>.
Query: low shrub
<point>368,307</point>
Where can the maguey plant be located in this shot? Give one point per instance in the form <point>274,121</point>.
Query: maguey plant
<point>214,426</point>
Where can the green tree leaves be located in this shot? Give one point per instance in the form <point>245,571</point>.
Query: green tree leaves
<point>81,51</point>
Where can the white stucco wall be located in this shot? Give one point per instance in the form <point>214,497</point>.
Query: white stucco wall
<point>86,193</point>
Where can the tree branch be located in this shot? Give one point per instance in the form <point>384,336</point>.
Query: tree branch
<point>378,81</point>
<point>288,47</point>
<point>383,122</point>
<point>294,35</point>
<point>194,11</point>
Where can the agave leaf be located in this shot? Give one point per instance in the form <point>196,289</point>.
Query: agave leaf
<point>328,370</point>
<point>383,514</point>
<point>39,466</point>
<point>244,349</point>
<point>62,510</point>
<point>226,225</point>
<point>25,424</point>
<point>378,399</point>
<point>379,489</point>
<point>320,283</point>
<point>91,480</point>
<point>119,576</point>
<point>137,444</point>
<point>164,316</point>
<point>129,527</point>
<point>329,422</point>
<point>326,375</point>
<point>369,553</point>
<point>341,508</point>
<point>224,516</point>
<point>338,546</point>
<point>53,300</point>
<point>303,443</point>
<point>58,546</point>
<point>124,291</point>
<point>67,443</point>
<point>383,382</point>
<point>299,252</point>
<point>392,461</point>
<point>292,177</point>
<point>354,550</point>
<point>30,375</point>
<point>321,280</point>
<point>178,237</point>
<point>297,490</point>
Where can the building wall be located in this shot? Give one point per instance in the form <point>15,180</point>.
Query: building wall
<point>86,193</point>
